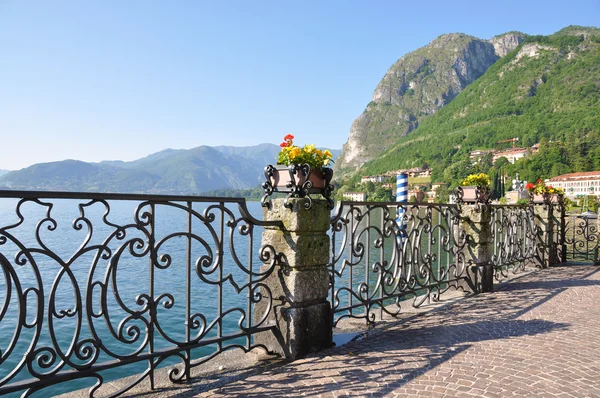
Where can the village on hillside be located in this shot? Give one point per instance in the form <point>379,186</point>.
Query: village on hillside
<point>422,190</point>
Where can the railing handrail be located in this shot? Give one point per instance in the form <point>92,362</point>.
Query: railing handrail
<point>6,193</point>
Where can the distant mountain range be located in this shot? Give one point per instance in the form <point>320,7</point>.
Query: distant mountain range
<point>172,171</point>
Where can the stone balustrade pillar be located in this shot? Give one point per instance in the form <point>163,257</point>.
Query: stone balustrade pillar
<point>299,285</point>
<point>475,221</point>
<point>545,223</point>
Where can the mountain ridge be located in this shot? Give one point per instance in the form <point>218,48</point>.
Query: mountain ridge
<point>175,171</point>
<point>170,171</point>
<point>547,91</point>
<point>415,87</point>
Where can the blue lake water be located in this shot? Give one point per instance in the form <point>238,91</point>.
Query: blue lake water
<point>77,253</point>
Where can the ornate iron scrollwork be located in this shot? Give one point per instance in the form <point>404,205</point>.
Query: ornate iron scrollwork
<point>514,239</point>
<point>89,288</point>
<point>378,265</point>
<point>297,183</point>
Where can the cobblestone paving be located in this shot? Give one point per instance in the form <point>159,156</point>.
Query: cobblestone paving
<point>538,336</point>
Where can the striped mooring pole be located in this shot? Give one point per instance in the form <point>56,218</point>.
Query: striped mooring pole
<point>401,197</point>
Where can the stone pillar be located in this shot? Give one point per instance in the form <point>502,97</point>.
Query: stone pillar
<point>299,285</point>
<point>475,221</point>
<point>545,224</point>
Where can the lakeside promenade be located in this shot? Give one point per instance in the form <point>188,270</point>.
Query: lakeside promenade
<point>538,336</point>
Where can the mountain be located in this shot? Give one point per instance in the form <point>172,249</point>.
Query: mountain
<point>170,171</point>
<point>545,91</point>
<point>2,172</point>
<point>416,86</point>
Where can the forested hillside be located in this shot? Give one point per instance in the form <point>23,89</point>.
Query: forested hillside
<point>415,87</point>
<point>547,90</point>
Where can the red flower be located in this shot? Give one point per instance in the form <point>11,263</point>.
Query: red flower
<point>284,144</point>
<point>539,181</point>
<point>288,137</point>
<point>530,186</point>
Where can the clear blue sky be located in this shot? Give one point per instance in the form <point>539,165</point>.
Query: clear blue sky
<point>95,80</point>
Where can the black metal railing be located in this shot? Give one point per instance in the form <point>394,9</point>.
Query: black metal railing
<point>581,238</point>
<point>102,286</point>
<point>514,239</point>
<point>384,254</point>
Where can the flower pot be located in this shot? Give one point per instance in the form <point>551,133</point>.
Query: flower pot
<point>537,198</point>
<point>544,198</point>
<point>284,179</point>
<point>297,181</point>
<point>473,194</point>
<point>469,194</point>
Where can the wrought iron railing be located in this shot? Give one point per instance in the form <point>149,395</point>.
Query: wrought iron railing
<point>379,261</point>
<point>581,238</point>
<point>98,286</point>
<point>514,239</point>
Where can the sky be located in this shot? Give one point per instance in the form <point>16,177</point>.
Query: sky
<point>119,80</point>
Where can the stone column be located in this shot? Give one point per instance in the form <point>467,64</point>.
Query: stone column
<point>545,224</point>
<point>475,221</point>
<point>299,285</point>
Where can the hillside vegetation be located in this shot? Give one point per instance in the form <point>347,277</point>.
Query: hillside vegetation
<point>415,87</point>
<point>547,90</point>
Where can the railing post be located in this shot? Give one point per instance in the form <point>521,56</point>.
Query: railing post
<point>299,286</point>
<point>563,233</point>
<point>475,221</point>
<point>543,219</point>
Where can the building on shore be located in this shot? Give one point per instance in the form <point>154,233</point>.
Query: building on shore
<point>577,184</point>
<point>512,155</point>
<point>355,196</point>
<point>373,179</point>
<point>414,172</point>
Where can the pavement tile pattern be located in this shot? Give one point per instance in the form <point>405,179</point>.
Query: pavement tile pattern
<point>539,336</point>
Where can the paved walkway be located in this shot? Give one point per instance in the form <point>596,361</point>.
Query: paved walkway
<point>538,336</point>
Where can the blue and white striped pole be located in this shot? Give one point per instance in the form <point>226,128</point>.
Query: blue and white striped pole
<point>401,197</point>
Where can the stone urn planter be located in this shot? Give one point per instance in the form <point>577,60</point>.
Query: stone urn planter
<point>297,181</point>
<point>473,194</point>
<point>545,198</point>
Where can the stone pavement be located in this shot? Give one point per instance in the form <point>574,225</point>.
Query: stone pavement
<point>539,335</point>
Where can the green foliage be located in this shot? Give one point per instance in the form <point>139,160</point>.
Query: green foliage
<point>589,202</point>
<point>381,195</point>
<point>568,203</point>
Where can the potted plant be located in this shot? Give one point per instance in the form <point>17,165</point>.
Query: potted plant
<point>542,193</point>
<point>474,188</point>
<point>299,172</point>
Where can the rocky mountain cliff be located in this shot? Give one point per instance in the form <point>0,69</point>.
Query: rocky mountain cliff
<point>416,86</point>
<point>546,91</point>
